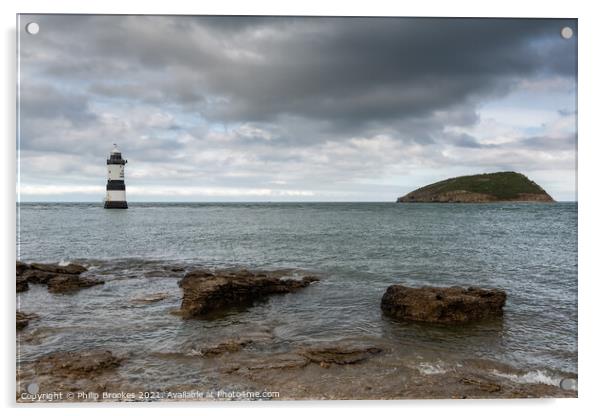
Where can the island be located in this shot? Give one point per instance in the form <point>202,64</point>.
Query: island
<point>487,187</point>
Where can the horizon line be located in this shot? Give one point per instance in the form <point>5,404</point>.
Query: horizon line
<point>266,202</point>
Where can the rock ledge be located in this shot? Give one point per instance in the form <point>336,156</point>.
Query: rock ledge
<point>58,279</point>
<point>206,291</point>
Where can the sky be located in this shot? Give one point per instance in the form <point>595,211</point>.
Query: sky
<point>210,108</point>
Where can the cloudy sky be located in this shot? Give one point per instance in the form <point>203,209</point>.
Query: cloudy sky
<point>292,109</point>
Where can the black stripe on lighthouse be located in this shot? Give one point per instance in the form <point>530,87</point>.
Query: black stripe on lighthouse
<point>116,204</point>
<point>115,185</point>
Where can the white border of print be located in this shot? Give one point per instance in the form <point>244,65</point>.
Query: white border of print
<point>589,197</point>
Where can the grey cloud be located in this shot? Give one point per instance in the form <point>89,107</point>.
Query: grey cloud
<point>568,142</point>
<point>564,112</point>
<point>352,70</point>
<point>47,102</point>
<point>466,140</point>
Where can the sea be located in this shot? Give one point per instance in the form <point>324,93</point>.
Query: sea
<point>356,249</point>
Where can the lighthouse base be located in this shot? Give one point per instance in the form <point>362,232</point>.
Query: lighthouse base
<point>116,204</point>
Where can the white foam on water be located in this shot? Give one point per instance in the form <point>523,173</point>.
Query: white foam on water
<point>64,263</point>
<point>431,368</point>
<point>531,377</point>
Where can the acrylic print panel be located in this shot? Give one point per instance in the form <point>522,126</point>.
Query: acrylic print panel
<point>295,208</point>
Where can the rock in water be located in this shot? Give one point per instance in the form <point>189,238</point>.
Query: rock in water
<point>65,283</point>
<point>442,305</point>
<point>489,187</point>
<point>59,279</point>
<point>42,273</point>
<point>206,291</point>
<point>71,268</point>
<point>21,267</point>
<point>340,355</point>
<point>24,318</point>
<point>86,364</point>
<point>233,345</point>
<point>22,284</point>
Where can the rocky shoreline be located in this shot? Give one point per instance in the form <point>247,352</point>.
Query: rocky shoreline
<point>58,278</point>
<point>342,369</point>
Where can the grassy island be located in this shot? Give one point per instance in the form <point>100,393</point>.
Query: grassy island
<point>487,187</point>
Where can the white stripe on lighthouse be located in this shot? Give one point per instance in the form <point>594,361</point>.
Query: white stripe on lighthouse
<point>115,195</point>
<point>115,172</point>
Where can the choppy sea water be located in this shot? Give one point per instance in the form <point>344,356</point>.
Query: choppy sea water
<point>357,249</point>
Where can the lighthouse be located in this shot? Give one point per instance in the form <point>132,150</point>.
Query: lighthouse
<point>116,183</point>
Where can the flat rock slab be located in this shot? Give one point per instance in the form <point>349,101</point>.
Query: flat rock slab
<point>341,355</point>
<point>85,364</point>
<point>274,362</point>
<point>443,304</point>
<point>207,291</point>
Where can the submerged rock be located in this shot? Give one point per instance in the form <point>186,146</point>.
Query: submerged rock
<point>442,305</point>
<point>341,355</point>
<point>77,364</point>
<point>58,278</point>
<point>206,291</point>
<point>481,384</point>
<point>23,319</point>
<point>157,297</point>
<point>232,345</point>
<point>278,362</point>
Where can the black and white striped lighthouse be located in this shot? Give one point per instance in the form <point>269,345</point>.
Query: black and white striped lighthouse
<point>116,180</point>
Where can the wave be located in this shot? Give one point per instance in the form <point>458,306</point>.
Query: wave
<point>431,368</point>
<point>537,377</point>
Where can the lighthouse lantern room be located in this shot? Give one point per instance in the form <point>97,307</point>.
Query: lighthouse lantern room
<point>116,180</point>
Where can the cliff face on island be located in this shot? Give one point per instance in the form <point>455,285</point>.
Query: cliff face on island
<point>488,187</point>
